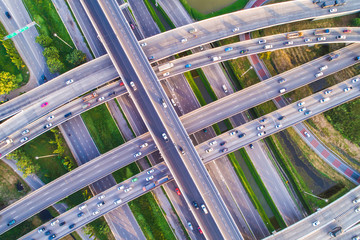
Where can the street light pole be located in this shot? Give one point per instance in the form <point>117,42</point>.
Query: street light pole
<point>55,35</point>
<point>326,200</point>
<point>251,67</point>
<point>45,156</point>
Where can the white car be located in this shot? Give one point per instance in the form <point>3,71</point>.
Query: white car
<point>53,223</point>
<point>306,134</point>
<point>138,154</point>
<point>262,41</point>
<point>165,137</point>
<point>317,222</point>
<point>233,133</point>
<point>70,81</point>
<point>355,238</point>
<point>101,196</point>
<point>209,150</point>
<point>100,99</point>
<point>300,104</point>
<point>128,189</point>
<point>163,103</point>
<point>96,212</point>
<point>322,68</point>
<point>307,40</point>
<point>212,142</point>
<point>50,117</point>
<point>356,200</point>
<point>166,74</point>
<point>100,204</point>
<point>302,109</point>
<point>278,125</point>
<point>321,39</point>
<point>203,207</point>
<point>357,209</point>
<point>328,91</point>
<point>144,145</point>
<point>184,40</point>
<point>132,84</point>
<point>149,178</point>
<point>81,207</point>
<point>347,89</point>
<point>143,44</point>
<point>150,171</point>
<point>289,43</point>
<point>261,133</point>
<point>117,201</point>
<point>260,127</point>
<point>235,29</point>
<point>319,74</point>
<point>332,10</point>
<point>341,37</point>
<point>355,80</point>
<point>25,131</point>
<point>324,100</point>
<point>23,139</point>
<point>121,187</point>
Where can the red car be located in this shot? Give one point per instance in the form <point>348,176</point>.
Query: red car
<point>121,84</point>
<point>347,31</point>
<point>177,190</point>
<point>44,104</point>
<point>200,231</point>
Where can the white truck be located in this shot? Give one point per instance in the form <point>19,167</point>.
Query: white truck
<point>5,142</point>
<point>165,66</point>
<point>216,58</point>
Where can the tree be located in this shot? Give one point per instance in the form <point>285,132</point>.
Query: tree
<point>7,82</point>
<point>51,52</point>
<point>44,40</point>
<point>24,163</point>
<point>76,58</point>
<point>55,65</point>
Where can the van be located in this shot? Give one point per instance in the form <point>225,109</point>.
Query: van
<point>268,46</point>
<point>224,88</point>
<point>68,114</point>
<point>282,90</point>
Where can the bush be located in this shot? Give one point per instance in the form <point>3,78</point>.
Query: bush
<point>44,40</point>
<point>7,82</point>
<point>356,22</point>
<point>76,58</point>
<point>24,163</point>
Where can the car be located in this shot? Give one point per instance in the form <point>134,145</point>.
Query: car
<point>268,46</point>
<point>121,187</point>
<point>143,44</point>
<point>12,222</point>
<point>222,143</point>
<point>128,189</point>
<point>68,114</point>
<point>102,196</point>
<point>241,135</point>
<point>321,39</point>
<point>332,10</point>
<point>319,74</point>
<point>80,214</point>
<point>166,74</point>
<point>163,102</point>
<point>26,131</point>
<point>282,90</point>
<point>165,137</point>
<point>96,212</point>
<point>278,125</point>
<point>47,125</point>
<point>47,233</point>
<point>62,223</point>
<point>332,56</point>
<point>7,14</point>
<point>299,104</point>
<point>151,57</point>
<point>70,81</point>
<point>121,83</point>
<point>357,58</point>
<point>132,84</point>
<point>302,109</point>
<point>281,80</point>
<point>195,205</point>
<point>317,222</point>
<point>346,31</point>
<point>190,226</point>
<point>307,112</point>
<point>281,118</point>
<point>49,118</point>
<point>150,171</point>
<point>306,134</point>
<point>263,41</point>
<point>118,201</point>
<point>23,139</point>
<point>244,51</point>
<point>223,150</point>
<point>263,120</point>
<point>134,179</point>
<point>100,99</point>
<point>99,204</point>
<point>182,150</point>
<point>209,150</point>
<point>183,40</point>
<point>52,236</point>
<point>356,200</point>
<point>205,130</point>
<point>228,49</point>
<point>357,209</point>
<point>177,190</point>
<point>53,223</point>
<point>203,207</point>
<point>137,154</point>
<point>233,132</point>
<point>347,89</point>
<point>322,68</point>
<point>355,238</point>
<point>132,25</point>
<point>144,145</point>
<point>200,231</point>
<point>111,93</point>
<point>44,104</point>
<point>328,91</point>
<point>43,78</point>
<point>289,43</point>
<point>41,229</point>
<point>81,207</point>
<point>260,127</point>
<point>149,178</point>
<point>261,133</point>
<point>341,37</point>
<point>324,100</point>
<point>307,40</point>
<point>187,65</point>
<point>212,142</point>
<point>251,146</point>
<point>72,226</point>
<point>355,80</point>
<point>235,29</point>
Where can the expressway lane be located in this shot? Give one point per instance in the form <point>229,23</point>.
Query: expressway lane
<point>247,20</point>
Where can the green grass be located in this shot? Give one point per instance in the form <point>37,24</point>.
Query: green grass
<point>149,216</point>
<point>102,128</point>
<point>262,188</point>
<point>127,122</point>
<point>195,89</point>
<point>100,229</point>
<point>250,192</point>
<point>154,16</point>
<point>76,198</point>
<point>44,13</point>
<point>164,15</point>
<point>126,172</point>
<point>239,4</point>
<point>206,83</point>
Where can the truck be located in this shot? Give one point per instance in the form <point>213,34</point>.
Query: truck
<point>162,180</point>
<point>148,186</point>
<point>294,35</point>
<point>5,142</point>
<point>216,58</point>
<point>90,96</point>
<point>335,232</point>
<point>165,66</point>
<point>322,32</point>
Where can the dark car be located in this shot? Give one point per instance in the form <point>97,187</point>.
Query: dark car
<point>12,221</point>
<point>222,143</point>
<point>204,130</point>
<point>195,205</point>
<point>357,58</point>
<point>80,214</point>
<point>262,120</point>
<point>112,93</point>
<point>132,25</point>
<point>251,146</point>
<point>62,223</point>
<point>68,114</point>
<point>72,226</point>
<point>241,135</point>
<point>182,150</point>
<point>244,51</point>
<point>52,236</point>
<point>224,150</point>
<point>8,15</point>
<point>43,78</point>
<point>281,118</point>
<point>48,233</point>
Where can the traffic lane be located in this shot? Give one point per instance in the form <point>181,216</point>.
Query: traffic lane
<point>172,8</point>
